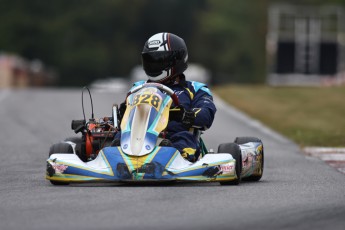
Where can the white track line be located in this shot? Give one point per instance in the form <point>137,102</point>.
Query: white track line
<point>323,150</point>
<point>333,157</point>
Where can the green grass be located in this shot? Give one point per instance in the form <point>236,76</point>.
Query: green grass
<point>311,116</point>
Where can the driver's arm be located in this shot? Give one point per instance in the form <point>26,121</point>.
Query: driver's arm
<point>204,108</point>
<point>200,114</point>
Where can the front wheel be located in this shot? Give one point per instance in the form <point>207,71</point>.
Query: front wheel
<point>61,148</point>
<point>235,151</point>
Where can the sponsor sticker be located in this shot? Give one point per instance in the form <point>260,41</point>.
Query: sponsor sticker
<point>154,43</point>
<point>227,168</point>
<point>59,168</point>
<point>259,149</point>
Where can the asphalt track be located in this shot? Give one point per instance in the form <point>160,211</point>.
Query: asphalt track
<point>296,192</point>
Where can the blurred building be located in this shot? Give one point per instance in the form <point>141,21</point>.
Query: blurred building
<point>306,45</point>
<point>16,72</point>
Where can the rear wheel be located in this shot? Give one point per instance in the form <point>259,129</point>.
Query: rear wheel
<point>61,148</point>
<point>243,140</point>
<point>258,174</point>
<point>235,151</point>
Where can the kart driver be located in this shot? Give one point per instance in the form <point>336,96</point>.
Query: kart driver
<point>164,59</point>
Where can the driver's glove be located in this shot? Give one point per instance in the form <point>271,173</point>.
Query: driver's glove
<point>187,117</point>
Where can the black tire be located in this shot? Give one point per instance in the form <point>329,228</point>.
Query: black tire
<point>62,148</point>
<point>58,183</point>
<point>235,151</point>
<point>79,149</point>
<point>76,140</point>
<point>243,140</point>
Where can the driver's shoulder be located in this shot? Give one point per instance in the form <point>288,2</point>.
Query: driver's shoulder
<point>198,86</point>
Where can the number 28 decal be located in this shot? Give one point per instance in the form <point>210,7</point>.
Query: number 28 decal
<point>150,99</point>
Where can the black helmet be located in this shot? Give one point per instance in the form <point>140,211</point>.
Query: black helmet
<point>164,57</point>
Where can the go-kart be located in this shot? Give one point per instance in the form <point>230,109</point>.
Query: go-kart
<point>140,155</point>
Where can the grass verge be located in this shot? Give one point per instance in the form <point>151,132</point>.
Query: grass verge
<point>310,116</point>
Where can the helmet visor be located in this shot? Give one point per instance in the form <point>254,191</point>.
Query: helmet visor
<point>155,62</point>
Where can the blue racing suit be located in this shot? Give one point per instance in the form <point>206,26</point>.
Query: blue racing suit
<point>194,96</point>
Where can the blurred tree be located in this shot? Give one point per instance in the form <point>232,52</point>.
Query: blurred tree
<point>85,39</point>
<point>230,40</point>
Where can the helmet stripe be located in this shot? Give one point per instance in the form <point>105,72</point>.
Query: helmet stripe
<point>169,48</point>
<point>163,35</point>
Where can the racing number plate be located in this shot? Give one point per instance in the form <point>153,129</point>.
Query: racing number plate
<point>147,98</point>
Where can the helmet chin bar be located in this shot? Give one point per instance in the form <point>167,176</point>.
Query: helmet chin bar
<point>165,75</point>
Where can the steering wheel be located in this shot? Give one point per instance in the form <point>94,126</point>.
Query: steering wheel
<point>162,87</point>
